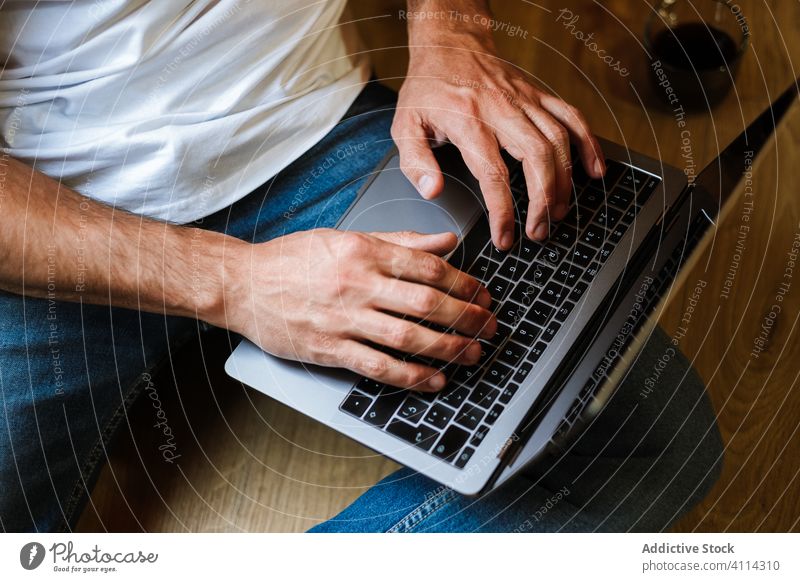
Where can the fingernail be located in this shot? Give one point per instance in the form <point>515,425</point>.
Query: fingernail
<point>599,167</point>
<point>540,233</point>
<point>506,241</point>
<point>437,382</point>
<point>486,298</point>
<point>560,211</point>
<point>490,329</point>
<point>473,353</point>
<point>426,186</point>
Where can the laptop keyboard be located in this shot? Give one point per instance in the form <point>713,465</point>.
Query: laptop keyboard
<point>535,286</point>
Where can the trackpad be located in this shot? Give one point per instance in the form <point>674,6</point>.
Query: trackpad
<point>392,203</point>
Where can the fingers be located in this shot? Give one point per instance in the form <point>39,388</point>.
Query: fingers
<point>417,161</point>
<point>548,179</point>
<point>429,304</point>
<point>558,139</point>
<point>417,340</point>
<point>420,267</point>
<point>481,153</point>
<point>384,368</point>
<point>579,131</point>
<point>438,244</point>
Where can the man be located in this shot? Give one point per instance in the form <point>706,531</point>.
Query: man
<point>170,162</point>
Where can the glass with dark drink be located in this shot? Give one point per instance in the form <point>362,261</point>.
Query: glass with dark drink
<point>695,47</point>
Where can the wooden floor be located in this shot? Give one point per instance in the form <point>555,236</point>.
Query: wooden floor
<point>248,463</point>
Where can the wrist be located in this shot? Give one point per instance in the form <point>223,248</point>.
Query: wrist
<point>215,276</point>
<point>443,23</point>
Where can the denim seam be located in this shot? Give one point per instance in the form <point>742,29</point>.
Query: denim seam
<point>422,512</point>
<point>81,486</point>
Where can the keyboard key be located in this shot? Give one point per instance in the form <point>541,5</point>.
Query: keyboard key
<point>487,352</point>
<point>539,273</point>
<point>579,175</point>
<point>439,416</point>
<point>524,294</point>
<point>565,235</point>
<point>522,372</point>
<point>498,374</point>
<point>539,313</point>
<point>633,179</point>
<point>527,249</point>
<point>512,269</point>
<point>413,409</point>
<point>511,314</point>
<point>465,375</point>
<point>582,255</point>
<point>479,435</point>
<point>647,190</point>
<point>552,254</point>
<point>526,333</point>
<point>591,198</point>
<point>617,234</point>
<point>356,404</point>
<point>464,457</point>
<point>578,291</point>
<point>553,293</point>
<point>567,274</point>
<point>577,217</point>
<point>629,216</point>
<point>607,217</point>
<point>594,236</point>
<point>494,414</point>
<point>620,198</point>
<point>536,352</point>
<point>605,252</point>
<point>564,311</point>
<point>483,395</point>
<point>503,331</point>
<point>368,386</point>
<point>499,288</point>
<point>454,396</point>
<point>508,392</point>
<point>512,353</point>
<point>421,436</point>
<point>483,269</point>
<point>591,272</point>
<point>469,416</point>
<point>450,443</point>
<point>384,407</point>
<point>493,253</point>
<point>550,331</point>
<point>614,170</point>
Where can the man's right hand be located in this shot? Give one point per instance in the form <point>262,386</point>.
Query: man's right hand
<point>324,296</point>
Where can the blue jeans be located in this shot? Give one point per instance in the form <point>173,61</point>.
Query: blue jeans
<point>69,372</point>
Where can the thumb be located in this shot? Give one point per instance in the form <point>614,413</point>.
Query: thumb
<point>417,161</point>
<point>440,243</point>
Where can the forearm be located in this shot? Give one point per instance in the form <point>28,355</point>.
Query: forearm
<point>454,23</point>
<point>58,244</point>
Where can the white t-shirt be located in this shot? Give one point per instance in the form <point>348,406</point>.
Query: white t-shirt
<point>171,108</point>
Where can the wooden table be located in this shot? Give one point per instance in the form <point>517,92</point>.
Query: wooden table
<point>252,464</point>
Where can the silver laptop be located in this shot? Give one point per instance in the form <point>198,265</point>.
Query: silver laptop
<point>572,312</point>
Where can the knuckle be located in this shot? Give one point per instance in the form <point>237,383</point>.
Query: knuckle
<point>355,244</point>
<point>424,300</point>
<point>495,171</point>
<point>402,335</point>
<point>413,375</point>
<point>454,345</point>
<point>376,368</point>
<point>433,268</point>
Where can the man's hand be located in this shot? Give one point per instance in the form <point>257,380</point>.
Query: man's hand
<point>323,296</point>
<point>457,89</point>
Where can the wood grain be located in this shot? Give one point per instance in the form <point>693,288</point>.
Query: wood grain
<point>251,464</point>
